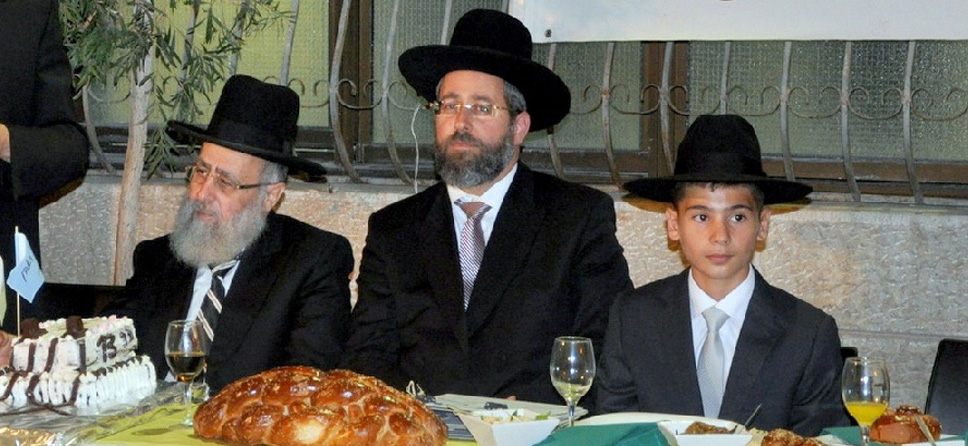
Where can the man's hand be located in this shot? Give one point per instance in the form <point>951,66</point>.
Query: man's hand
<point>6,348</point>
<point>4,143</point>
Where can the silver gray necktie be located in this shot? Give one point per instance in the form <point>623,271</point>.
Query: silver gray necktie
<point>471,245</point>
<point>711,359</point>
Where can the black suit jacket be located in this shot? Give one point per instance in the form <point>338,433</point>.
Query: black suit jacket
<point>288,303</point>
<point>787,358</point>
<point>47,147</point>
<point>552,267</point>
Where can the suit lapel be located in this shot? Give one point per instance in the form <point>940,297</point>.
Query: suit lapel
<point>442,265</point>
<point>248,293</point>
<point>674,329</point>
<point>764,325</point>
<point>515,229</point>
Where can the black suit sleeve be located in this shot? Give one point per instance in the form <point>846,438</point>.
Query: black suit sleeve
<point>374,343</point>
<point>601,272</point>
<point>818,403</point>
<point>616,385</point>
<point>322,309</point>
<point>47,147</point>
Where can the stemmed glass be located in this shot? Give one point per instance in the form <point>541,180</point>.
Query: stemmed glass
<point>186,348</point>
<point>572,370</point>
<point>866,389</point>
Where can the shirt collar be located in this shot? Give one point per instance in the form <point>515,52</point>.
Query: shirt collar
<point>493,197</point>
<point>734,304</point>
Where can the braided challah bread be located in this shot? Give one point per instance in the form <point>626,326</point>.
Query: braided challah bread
<point>297,405</point>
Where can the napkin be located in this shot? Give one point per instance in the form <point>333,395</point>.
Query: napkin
<point>637,434</point>
<point>852,435</point>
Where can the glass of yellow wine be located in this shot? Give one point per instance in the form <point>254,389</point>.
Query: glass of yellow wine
<point>866,390</point>
<point>186,348</point>
<point>572,370</point>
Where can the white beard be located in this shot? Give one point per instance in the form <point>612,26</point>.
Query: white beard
<point>198,243</point>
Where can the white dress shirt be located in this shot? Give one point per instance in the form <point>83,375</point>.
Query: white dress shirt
<point>203,282</point>
<point>734,304</point>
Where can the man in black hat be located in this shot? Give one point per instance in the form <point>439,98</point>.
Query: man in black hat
<point>269,289</point>
<point>717,339</point>
<point>464,286</point>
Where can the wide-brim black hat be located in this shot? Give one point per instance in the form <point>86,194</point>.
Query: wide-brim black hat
<point>720,149</point>
<point>495,43</point>
<point>252,117</point>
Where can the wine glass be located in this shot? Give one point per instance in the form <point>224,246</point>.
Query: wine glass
<point>866,389</point>
<point>572,370</point>
<point>186,348</point>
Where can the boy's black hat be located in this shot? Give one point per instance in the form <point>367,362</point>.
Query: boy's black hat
<point>252,117</point>
<point>720,149</point>
<point>495,43</point>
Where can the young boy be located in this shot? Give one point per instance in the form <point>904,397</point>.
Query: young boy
<point>761,345</point>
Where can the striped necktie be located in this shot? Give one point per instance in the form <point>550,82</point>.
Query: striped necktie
<point>471,245</point>
<point>711,359</point>
<point>212,305</point>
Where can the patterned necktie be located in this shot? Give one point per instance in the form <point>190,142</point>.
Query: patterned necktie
<point>711,358</point>
<point>212,305</point>
<point>471,245</point>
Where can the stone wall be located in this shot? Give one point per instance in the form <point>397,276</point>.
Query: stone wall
<point>894,276</point>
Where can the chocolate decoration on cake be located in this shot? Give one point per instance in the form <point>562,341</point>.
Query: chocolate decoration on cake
<point>31,387</point>
<point>74,388</point>
<point>75,327</point>
<point>51,353</point>
<point>32,353</point>
<point>10,383</point>
<point>30,328</point>
<point>83,355</point>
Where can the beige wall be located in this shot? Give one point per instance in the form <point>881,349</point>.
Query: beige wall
<point>894,276</point>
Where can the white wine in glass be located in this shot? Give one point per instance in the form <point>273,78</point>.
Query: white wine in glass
<point>572,370</point>
<point>186,349</point>
<point>866,390</point>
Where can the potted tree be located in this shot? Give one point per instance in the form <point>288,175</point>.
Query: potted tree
<point>166,69</point>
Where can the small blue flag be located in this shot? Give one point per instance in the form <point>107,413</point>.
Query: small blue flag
<point>26,276</point>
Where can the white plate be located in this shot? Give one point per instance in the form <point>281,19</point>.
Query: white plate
<point>443,406</point>
<point>507,433</point>
<point>640,417</point>
<point>673,431</point>
<point>469,403</point>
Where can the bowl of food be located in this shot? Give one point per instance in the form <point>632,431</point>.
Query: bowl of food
<point>704,433</point>
<point>508,427</point>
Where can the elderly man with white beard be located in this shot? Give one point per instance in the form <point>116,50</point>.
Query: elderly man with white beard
<point>269,290</point>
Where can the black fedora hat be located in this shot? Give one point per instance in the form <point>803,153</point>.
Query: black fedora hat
<point>495,43</point>
<point>720,149</point>
<point>252,117</point>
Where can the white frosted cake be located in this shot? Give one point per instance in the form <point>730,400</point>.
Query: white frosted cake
<point>76,362</point>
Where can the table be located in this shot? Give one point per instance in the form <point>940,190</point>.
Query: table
<point>158,431</point>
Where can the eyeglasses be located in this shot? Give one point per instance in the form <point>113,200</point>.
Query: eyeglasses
<point>450,108</point>
<point>197,173</point>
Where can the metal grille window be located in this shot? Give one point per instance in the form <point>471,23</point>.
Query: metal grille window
<point>864,120</point>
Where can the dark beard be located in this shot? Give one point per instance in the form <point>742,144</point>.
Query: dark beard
<point>198,243</point>
<point>466,169</point>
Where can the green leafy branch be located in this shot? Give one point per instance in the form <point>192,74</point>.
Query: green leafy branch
<point>108,40</point>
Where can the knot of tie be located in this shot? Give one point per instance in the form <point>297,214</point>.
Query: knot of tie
<point>220,269</point>
<point>711,363</point>
<point>715,318</point>
<point>473,208</point>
